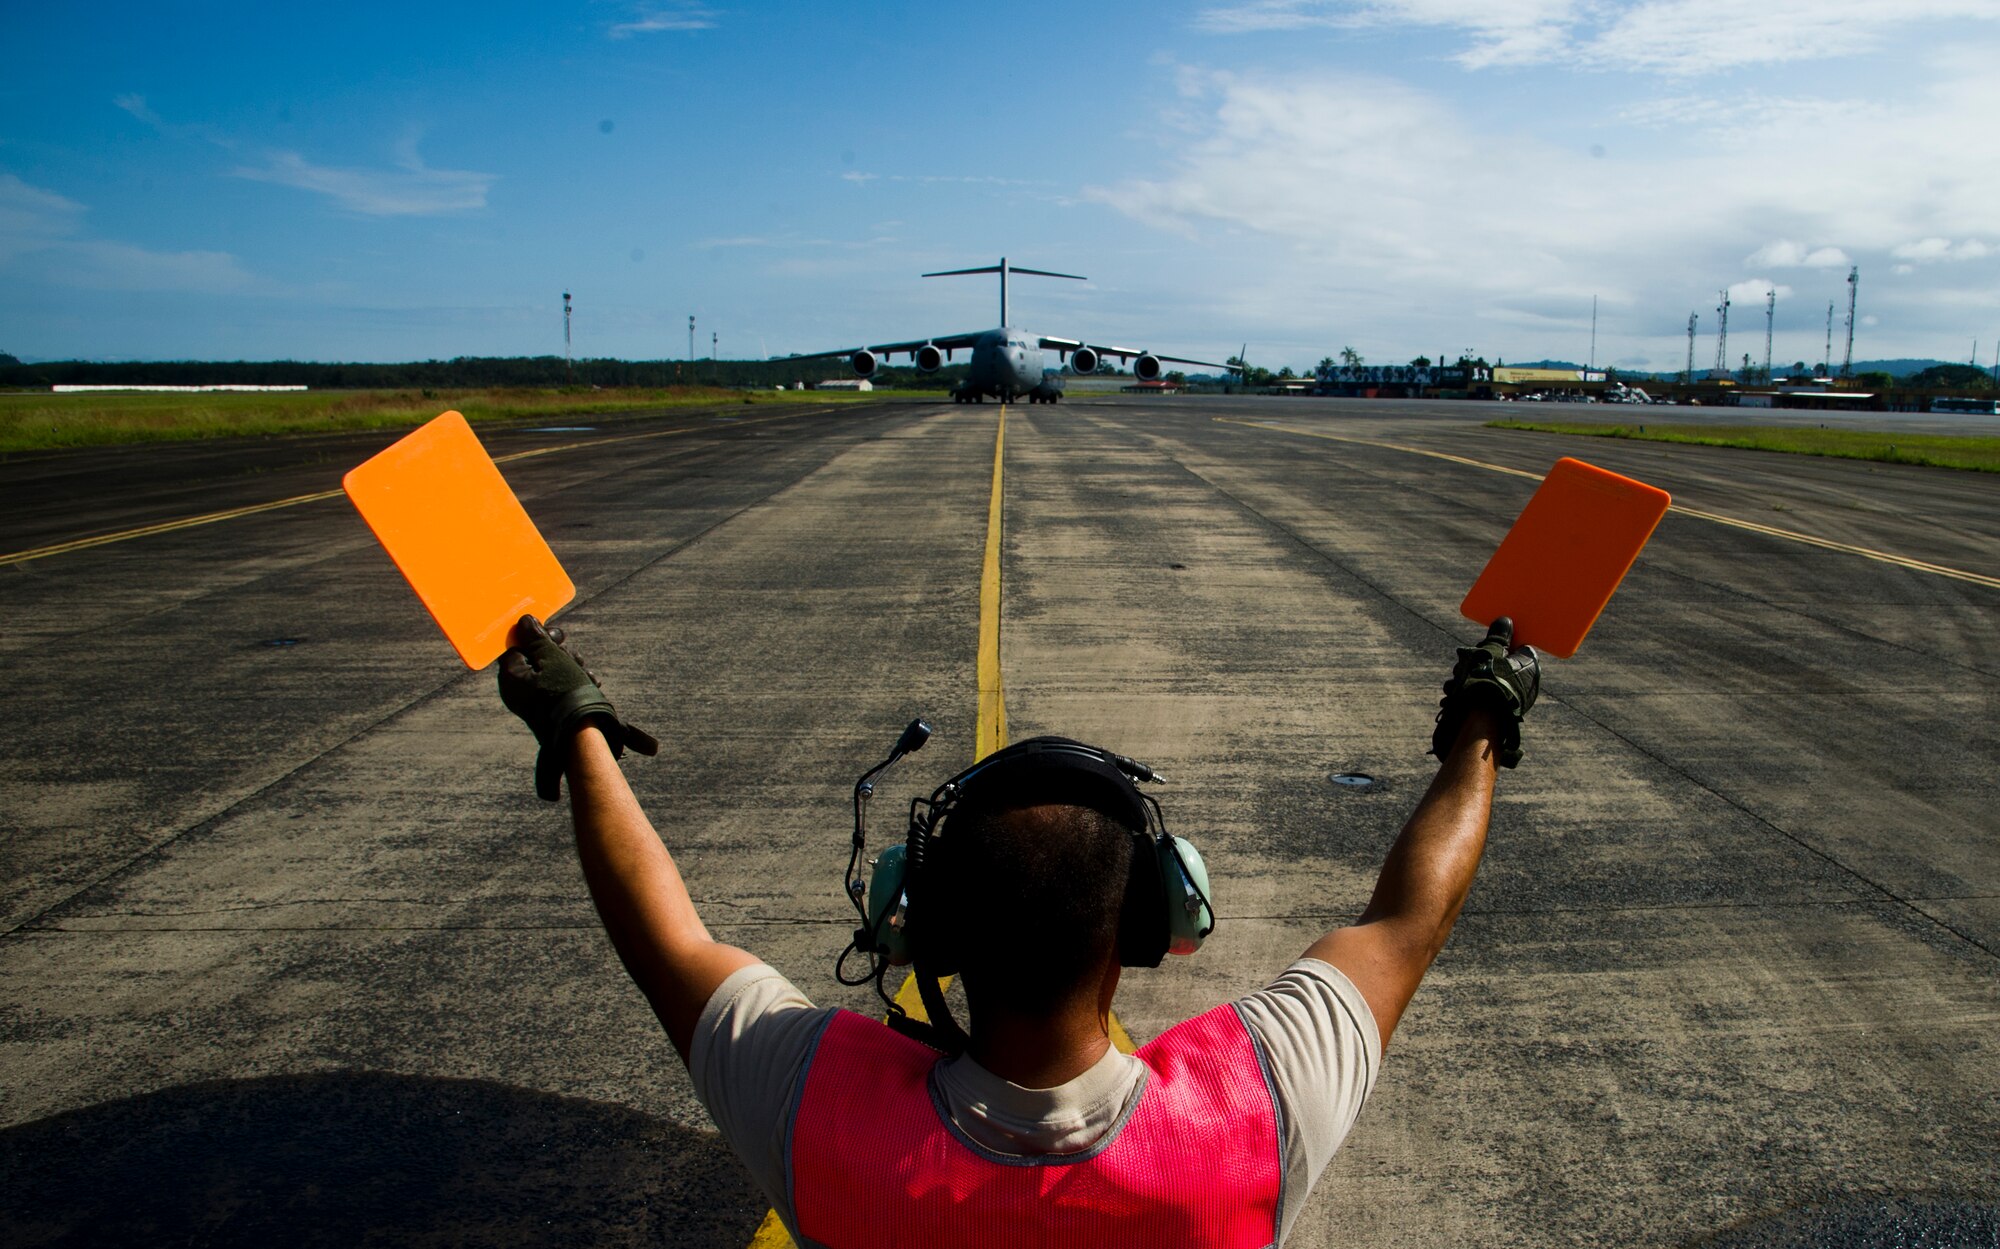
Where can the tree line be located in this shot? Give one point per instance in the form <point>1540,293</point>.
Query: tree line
<point>462,373</point>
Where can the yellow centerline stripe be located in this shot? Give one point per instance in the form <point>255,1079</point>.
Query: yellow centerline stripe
<point>1770,531</point>
<point>991,732</point>
<point>210,518</point>
<point>991,736</point>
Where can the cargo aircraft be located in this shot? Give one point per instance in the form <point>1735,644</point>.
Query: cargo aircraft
<point>1006,362</point>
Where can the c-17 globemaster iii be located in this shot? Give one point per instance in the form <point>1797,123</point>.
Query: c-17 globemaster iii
<point>1006,362</point>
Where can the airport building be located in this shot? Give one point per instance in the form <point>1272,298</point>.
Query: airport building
<point>1400,381</point>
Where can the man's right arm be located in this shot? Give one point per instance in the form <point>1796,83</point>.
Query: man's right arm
<point>1424,881</point>
<point>1430,868</point>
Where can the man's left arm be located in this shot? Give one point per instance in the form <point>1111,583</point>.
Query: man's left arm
<point>640,896</point>
<point>644,904</point>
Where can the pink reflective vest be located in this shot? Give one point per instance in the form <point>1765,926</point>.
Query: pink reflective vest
<point>1196,1163</point>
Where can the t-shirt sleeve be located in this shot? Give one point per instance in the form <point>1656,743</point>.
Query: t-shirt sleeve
<point>750,1051</point>
<point>1320,1042</point>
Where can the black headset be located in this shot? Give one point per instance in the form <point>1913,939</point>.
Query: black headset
<point>1165,909</point>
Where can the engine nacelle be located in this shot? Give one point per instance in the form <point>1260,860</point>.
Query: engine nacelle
<point>1084,360</point>
<point>929,358</point>
<point>1147,368</point>
<point>864,362</point>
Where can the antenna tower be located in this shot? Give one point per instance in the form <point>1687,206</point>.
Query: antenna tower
<point>1770,314</point>
<point>1853,290</point>
<point>1687,374</point>
<point>1591,363</point>
<point>568,366</point>
<point>1722,334</point>
<point>1826,368</point>
<point>690,346</point>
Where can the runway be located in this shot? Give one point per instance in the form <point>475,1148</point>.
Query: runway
<point>291,951</point>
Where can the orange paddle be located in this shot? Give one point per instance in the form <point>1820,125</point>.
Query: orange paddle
<point>1560,563</point>
<point>438,505</point>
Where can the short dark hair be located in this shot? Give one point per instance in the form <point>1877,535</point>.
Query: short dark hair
<point>1031,893</point>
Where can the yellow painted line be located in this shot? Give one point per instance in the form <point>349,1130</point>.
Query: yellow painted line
<point>1751,526</point>
<point>771,1233</point>
<point>210,518</point>
<point>991,736</point>
<point>991,733</point>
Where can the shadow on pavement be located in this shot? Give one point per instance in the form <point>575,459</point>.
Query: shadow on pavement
<point>1871,1223</point>
<point>364,1158</point>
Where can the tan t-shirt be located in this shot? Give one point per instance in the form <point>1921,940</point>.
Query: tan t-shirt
<point>1311,1026</point>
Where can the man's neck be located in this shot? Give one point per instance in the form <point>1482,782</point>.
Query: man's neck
<point>1039,1053</point>
<point>1042,1051</point>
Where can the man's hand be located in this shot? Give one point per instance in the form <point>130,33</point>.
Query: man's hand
<point>1495,675</point>
<point>544,681</point>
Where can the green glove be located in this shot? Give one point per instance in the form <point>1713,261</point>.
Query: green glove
<point>1496,675</point>
<point>544,682</point>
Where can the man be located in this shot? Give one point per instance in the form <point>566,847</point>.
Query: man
<point>1040,1131</point>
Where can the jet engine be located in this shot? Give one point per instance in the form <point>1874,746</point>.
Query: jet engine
<point>1083,360</point>
<point>864,362</point>
<point>929,358</point>
<point>1147,368</point>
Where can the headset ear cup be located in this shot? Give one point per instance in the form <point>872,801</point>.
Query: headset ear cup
<point>1142,936</point>
<point>1189,918</point>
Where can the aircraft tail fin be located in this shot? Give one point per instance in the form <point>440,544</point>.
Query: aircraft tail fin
<point>1003,269</point>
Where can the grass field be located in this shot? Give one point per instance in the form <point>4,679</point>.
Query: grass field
<point>1979,454</point>
<point>41,421</point>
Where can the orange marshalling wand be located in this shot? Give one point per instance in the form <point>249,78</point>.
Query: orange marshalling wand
<point>1563,559</point>
<point>439,506</point>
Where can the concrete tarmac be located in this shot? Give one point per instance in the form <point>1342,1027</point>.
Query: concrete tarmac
<point>292,953</point>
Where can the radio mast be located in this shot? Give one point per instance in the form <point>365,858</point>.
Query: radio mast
<point>1687,374</point>
<point>1853,290</point>
<point>1722,334</point>
<point>1770,314</point>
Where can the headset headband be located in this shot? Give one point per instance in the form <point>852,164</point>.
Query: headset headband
<point>1053,769</point>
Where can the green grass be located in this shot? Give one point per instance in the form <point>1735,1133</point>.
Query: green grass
<point>1979,454</point>
<point>41,421</point>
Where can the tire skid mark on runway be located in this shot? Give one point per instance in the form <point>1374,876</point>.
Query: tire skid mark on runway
<point>1908,903</point>
<point>1769,531</point>
<point>38,921</point>
<point>234,513</point>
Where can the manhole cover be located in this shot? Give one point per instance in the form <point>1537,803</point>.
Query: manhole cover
<point>280,642</point>
<point>1178,567</point>
<point>1353,780</point>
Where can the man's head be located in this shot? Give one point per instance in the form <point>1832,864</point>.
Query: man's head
<point>1027,893</point>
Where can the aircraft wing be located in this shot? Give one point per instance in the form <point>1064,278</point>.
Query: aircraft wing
<point>1067,345</point>
<point>946,342</point>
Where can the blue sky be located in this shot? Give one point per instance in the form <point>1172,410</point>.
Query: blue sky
<point>1404,176</point>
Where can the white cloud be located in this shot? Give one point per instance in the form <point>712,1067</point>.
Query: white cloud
<point>1785,254</point>
<point>411,189</point>
<point>1679,37</point>
<point>109,266</point>
<point>32,219</point>
<point>1381,201</point>
<point>1756,290</point>
<point>47,229</point>
<point>1931,250</point>
<point>677,17</point>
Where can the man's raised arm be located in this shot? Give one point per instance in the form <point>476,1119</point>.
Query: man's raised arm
<point>638,891</point>
<point>1429,870</point>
